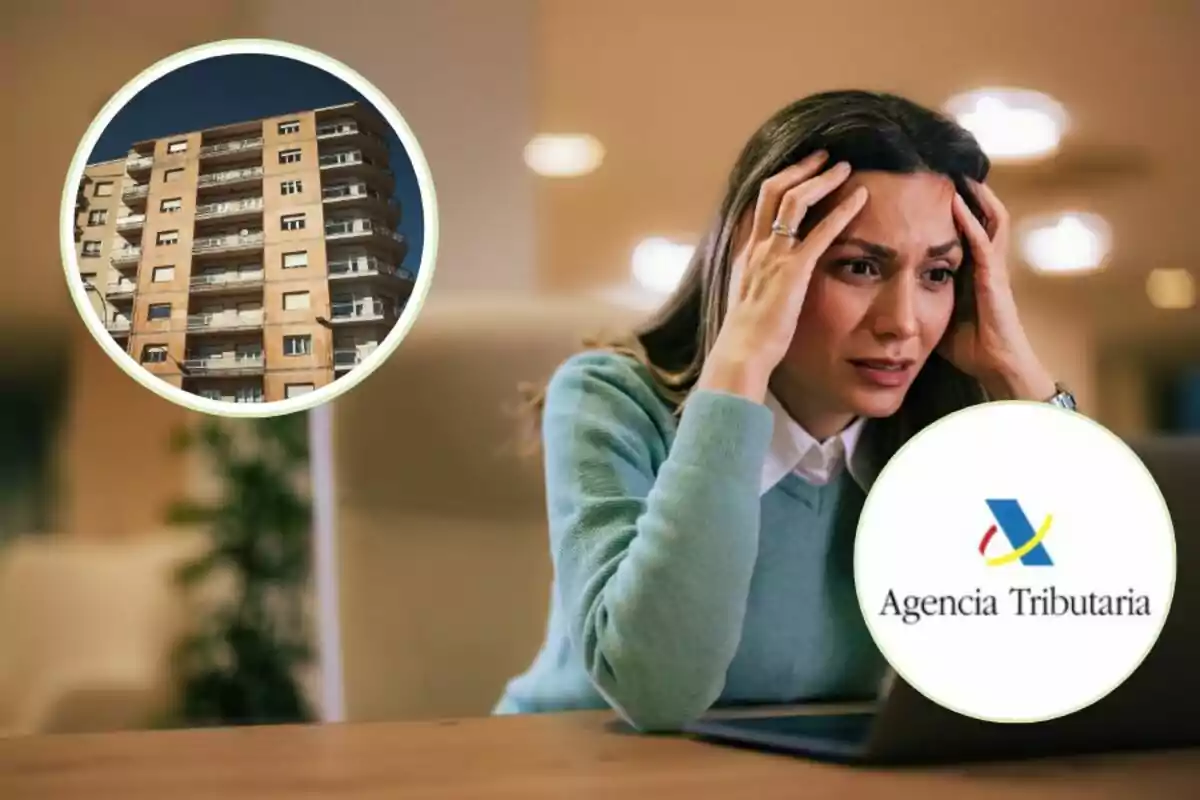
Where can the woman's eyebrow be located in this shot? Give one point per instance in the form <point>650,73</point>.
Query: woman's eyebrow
<point>885,253</point>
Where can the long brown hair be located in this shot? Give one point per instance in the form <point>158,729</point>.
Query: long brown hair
<point>869,130</point>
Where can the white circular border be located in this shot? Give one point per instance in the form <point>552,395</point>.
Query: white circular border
<point>1157,634</point>
<point>412,308</point>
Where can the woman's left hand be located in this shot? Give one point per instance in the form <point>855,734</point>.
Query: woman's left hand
<point>993,348</point>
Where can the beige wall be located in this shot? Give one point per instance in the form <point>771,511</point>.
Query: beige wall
<point>1125,405</point>
<point>118,474</point>
<point>111,173</point>
<point>183,186</point>
<point>118,469</point>
<point>322,349</point>
<point>170,331</point>
<point>275,383</point>
<point>460,72</point>
<point>1064,340</point>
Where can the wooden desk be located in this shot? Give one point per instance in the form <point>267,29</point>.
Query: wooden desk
<point>559,756</point>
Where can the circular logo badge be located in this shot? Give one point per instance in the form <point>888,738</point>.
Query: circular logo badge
<point>1015,562</point>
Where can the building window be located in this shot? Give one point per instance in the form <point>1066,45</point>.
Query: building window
<point>249,394</point>
<point>154,354</point>
<point>289,126</point>
<point>297,259</point>
<point>172,175</point>
<point>291,187</point>
<point>248,352</point>
<point>177,147</point>
<point>163,274</point>
<point>292,222</point>
<point>296,389</point>
<point>297,345</point>
<point>159,311</point>
<point>171,204</point>
<point>295,301</point>
<point>167,237</point>
<point>91,249</point>
<point>103,189</point>
<point>291,156</point>
<point>97,217</point>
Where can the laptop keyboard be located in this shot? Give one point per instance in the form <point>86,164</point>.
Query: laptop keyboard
<point>849,728</point>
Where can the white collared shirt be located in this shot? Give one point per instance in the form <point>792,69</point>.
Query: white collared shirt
<point>794,449</point>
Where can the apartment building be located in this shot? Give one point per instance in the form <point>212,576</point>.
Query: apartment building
<point>250,262</point>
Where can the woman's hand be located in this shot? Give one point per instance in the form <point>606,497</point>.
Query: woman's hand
<point>770,275</point>
<point>994,349</point>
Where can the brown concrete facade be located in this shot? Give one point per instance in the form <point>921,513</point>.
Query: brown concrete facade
<point>250,262</point>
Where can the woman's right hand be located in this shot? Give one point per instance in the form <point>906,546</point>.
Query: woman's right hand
<point>770,274</point>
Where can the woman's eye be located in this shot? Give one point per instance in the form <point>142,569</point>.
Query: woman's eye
<point>860,268</point>
<point>941,275</point>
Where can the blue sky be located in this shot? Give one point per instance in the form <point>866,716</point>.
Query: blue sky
<point>236,88</point>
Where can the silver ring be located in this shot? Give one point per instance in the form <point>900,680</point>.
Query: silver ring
<point>778,228</point>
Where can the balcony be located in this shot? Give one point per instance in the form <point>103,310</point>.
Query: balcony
<point>345,192</point>
<point>343,228</point>
<point>231,280</point>
<point>347,158</point>
<point>361,228</point>
<point>120,290</point>
<point>232,148</point>
<point>231,243</point>
<point>126,255</point>
<point>118,327</point>
<point>241,395</point>
<point>365,309</point>
<point>347,358</point>
<point>136,163</point>
<point>131,222</point>
<point>229,177</point>
<point>250,206</point>
<point>220,366</point>
<point>364,267</point>
<point>349,131</point>
<point>135,191</point>
<point>332,130</point>
<point>222,323</point>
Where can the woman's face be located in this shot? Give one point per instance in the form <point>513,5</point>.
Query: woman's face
<point>879,300</point>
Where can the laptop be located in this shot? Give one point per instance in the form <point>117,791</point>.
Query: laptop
<point>1157,708</point>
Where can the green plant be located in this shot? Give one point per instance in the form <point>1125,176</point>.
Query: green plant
<point>240,666</point>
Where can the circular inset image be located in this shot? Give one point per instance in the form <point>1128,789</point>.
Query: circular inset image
<point>249,228</point>
<point>1015,562</point>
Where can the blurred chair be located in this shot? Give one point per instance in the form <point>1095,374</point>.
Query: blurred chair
<point>442,544</point>
<point>86,630</point>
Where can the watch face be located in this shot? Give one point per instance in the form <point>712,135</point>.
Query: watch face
<point>1064,399</point>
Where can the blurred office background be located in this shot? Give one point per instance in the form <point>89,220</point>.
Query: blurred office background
<point>429,585</point>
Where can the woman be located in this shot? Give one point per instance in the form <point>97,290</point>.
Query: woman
<point>704,480</point>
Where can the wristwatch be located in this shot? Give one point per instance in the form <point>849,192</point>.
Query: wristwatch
<point>1063,398</point>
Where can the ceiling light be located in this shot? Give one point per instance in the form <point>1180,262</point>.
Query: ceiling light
<point>1171,289</point>
<point>1071,242</point>
<point>1011,124</point>
<point>564,155</point>
<point>659,264</point>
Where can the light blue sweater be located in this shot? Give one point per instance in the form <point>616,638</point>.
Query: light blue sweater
<point>677,587</point>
